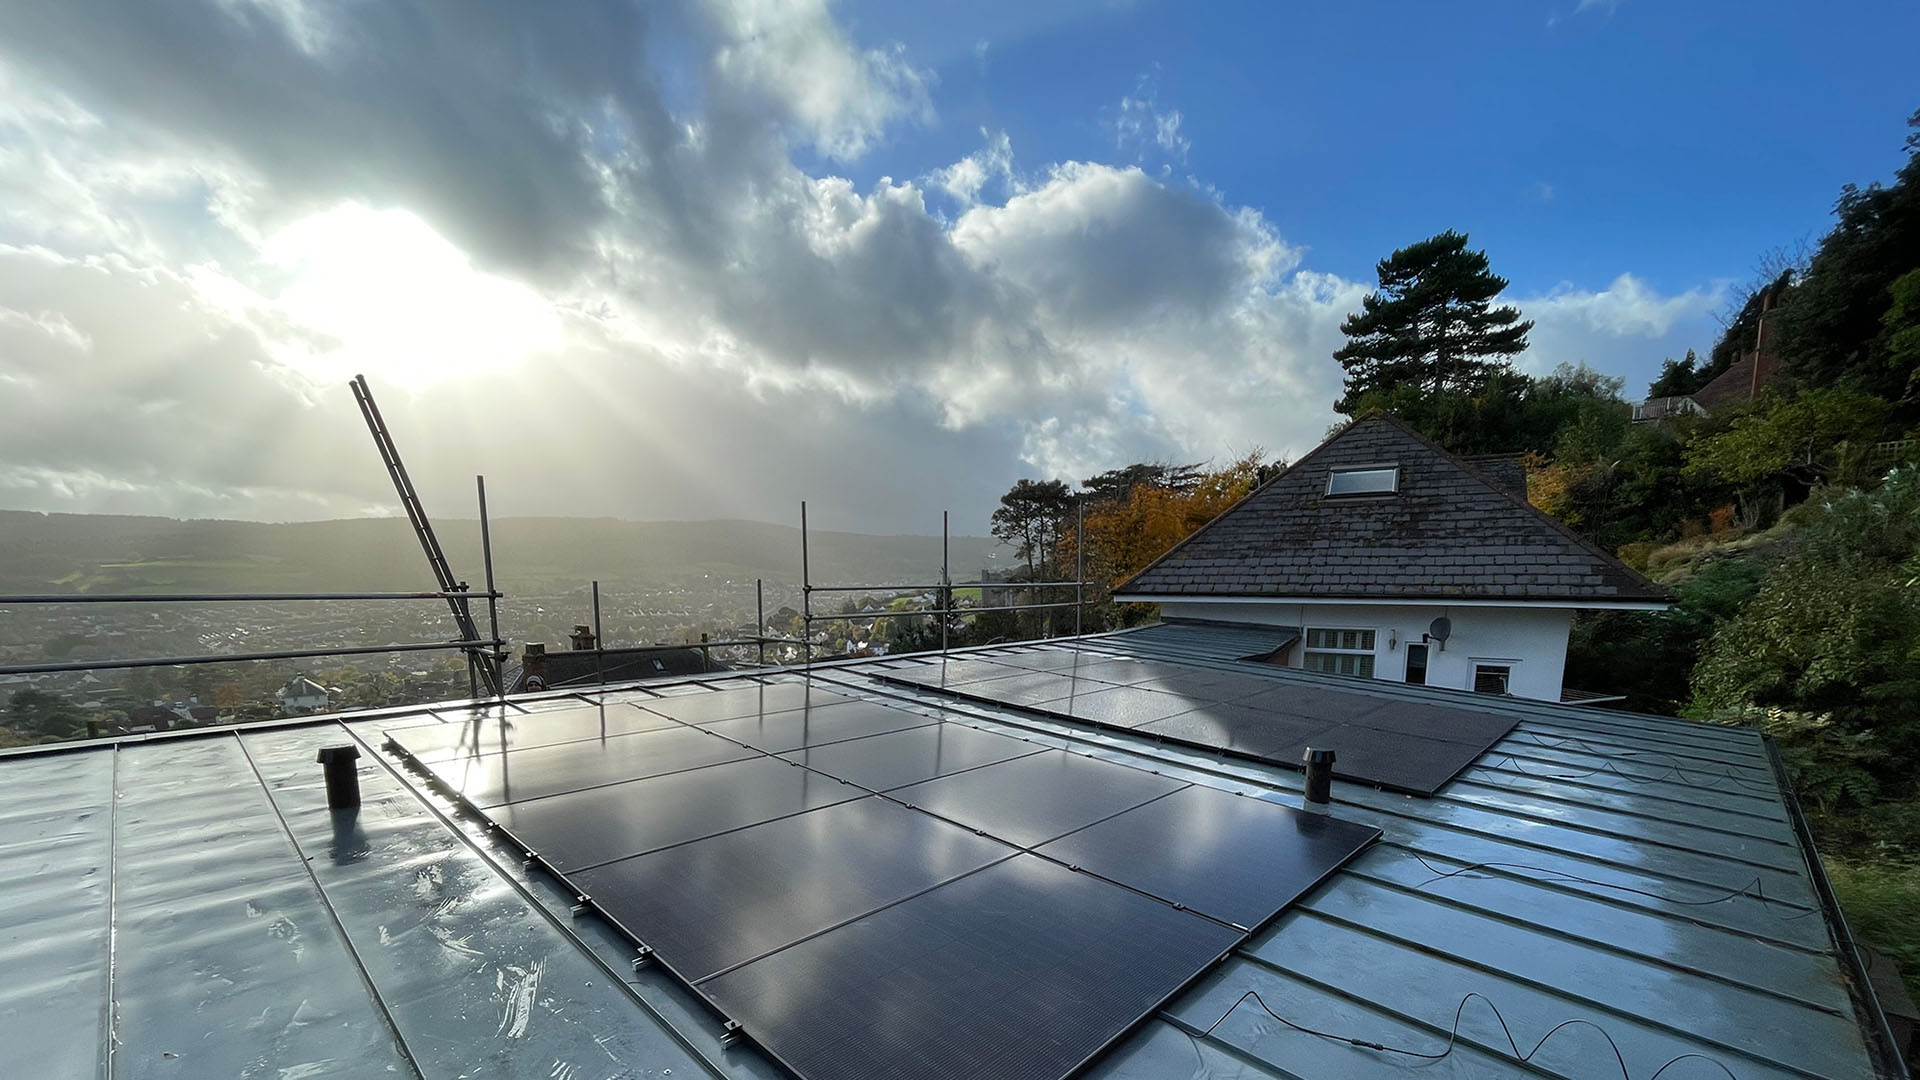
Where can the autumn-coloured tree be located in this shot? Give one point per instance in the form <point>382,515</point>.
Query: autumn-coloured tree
<point>1124,535</point>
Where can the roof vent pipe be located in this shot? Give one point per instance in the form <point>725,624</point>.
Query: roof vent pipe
<point>1319,766</point>
<point>343,776</point>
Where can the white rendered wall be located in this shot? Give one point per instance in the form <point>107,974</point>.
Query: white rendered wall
<point>1533,641</point>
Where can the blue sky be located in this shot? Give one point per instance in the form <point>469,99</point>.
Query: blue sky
<point>681,259</point>
<point>1675,141</point>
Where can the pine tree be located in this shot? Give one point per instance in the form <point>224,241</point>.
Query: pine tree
<point>1431,326</point>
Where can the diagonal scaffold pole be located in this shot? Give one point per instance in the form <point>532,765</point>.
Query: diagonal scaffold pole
<point>478,658</point>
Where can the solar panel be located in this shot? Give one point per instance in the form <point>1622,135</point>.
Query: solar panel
<point>516,731</point>
<point>903,934</point>
<point>1031,800</point>
<point>747,701</point>
<point>777,733</point>
<point>1236,858</point>
<point>494,778</point>
<point>599,825</point>
<point>881,762</point>
<point>1122,706</point>
<point>1021,971</point>
<point>720,902</point>
<point>1401,745</point>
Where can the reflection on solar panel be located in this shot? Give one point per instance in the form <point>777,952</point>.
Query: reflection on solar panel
<point>1405,746</point>
<point>873,892</point>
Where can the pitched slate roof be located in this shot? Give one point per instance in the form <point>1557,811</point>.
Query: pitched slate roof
<point>1450,531</point>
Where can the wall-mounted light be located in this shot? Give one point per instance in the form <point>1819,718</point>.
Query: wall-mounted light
<point>1393,640</point>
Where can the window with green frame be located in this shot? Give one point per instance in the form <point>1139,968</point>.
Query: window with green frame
<point>1338,651</point>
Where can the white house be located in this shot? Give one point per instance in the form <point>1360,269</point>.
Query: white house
<point>1390,558</point>
<point>302,697</point>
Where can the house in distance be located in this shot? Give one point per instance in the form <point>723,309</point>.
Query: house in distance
<point>1390,558</point>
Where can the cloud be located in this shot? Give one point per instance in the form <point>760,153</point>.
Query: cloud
<point>1625,328</point>
<point>964,180</point>
<point>609,260</point>
<point>1142,126</point>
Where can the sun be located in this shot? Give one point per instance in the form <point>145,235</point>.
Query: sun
<point>379,291</point>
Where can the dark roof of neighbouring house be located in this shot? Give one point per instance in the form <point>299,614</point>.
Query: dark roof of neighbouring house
<point>584,667</point>
<point>1449,532</point>
<point>1733,384</point>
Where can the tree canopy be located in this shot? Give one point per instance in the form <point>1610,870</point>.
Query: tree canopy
<point>1029,518</point>
<point>1432,325</point>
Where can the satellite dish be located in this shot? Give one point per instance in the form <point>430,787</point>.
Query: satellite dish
<point>1440,631</point>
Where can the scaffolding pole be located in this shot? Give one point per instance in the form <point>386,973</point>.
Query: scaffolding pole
<point>946,586</point>
<point>493,592</point>
<point>487,669</point>
<point>230,658</point>
<point>806,593</point>
<point>1079,567</point>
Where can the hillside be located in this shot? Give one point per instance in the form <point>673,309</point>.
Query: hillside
<point>109,553</point>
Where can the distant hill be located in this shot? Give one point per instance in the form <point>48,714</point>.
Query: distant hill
<point>113,553</point>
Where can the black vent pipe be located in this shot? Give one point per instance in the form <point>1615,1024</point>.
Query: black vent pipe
<point>343,776</point>
<point>1319,766</point>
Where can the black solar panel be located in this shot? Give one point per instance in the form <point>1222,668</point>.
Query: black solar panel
<point>779,732</point>
<point>599,825</point>
<point>880,762</point>
<point>490,735</point>
<point>492,778</point>
<point>1408,746</point>
<point>1033,799</point>
<point>1021,971</point>
<point>749,701</point>
<point>715,903</point>
<point>1237,858</point>
<point>902,934</point>
<point>1122,706</point>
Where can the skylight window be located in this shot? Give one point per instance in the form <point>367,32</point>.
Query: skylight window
<point>1367,480</point>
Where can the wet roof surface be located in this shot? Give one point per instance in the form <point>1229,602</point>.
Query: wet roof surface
<point>188,907</point>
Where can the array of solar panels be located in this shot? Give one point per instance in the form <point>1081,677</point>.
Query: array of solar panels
<point>873,892</point>
<point>1413,747</point>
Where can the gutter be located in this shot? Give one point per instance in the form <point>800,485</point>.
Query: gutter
<point>1882,1047</point>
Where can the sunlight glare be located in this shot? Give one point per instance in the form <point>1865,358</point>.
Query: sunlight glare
<point>383,293</point>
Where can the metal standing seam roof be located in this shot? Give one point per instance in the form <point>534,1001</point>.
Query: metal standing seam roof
<point>185,906</point>
<point>1449,532</point>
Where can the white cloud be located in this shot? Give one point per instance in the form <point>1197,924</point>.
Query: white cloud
<point>603,224</point>
<point>964,180</point>
<point>791,56</point>
<point>1141,124</point>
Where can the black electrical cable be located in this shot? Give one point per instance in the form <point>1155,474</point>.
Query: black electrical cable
<point>1753,889</point>
<point>1678,774</point>
<point>1453,1037</point>
<point>1672,761</point>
